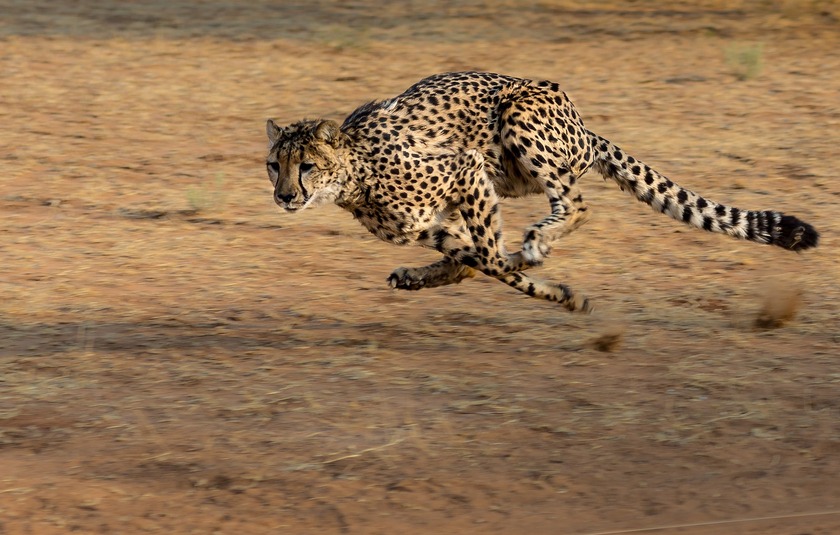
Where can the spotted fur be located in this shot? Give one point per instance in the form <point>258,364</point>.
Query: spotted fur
<point>430,166</point>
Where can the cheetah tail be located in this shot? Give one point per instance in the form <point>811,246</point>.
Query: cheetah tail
<point>663,195</point>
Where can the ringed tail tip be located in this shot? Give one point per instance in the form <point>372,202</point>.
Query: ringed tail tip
<point>794,234</point>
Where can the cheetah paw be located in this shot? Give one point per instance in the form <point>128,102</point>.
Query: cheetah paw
<point>534,249</point>
<point>406,279</point>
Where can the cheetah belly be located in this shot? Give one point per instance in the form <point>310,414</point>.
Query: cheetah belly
<point>508,181</point>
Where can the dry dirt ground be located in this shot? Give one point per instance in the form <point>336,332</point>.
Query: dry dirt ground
<point>177,356</point>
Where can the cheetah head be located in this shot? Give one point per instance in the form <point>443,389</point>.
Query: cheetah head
<point>303,164</point>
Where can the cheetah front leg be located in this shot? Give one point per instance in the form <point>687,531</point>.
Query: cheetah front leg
<point>450,237</point>
<point>478,205</point>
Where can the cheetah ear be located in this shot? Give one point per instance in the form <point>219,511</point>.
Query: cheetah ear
<point>273,131</point>
<point>327,131</point>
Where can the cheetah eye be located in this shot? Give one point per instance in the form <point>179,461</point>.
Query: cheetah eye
<point>274,166</point>
<point>305,167</point>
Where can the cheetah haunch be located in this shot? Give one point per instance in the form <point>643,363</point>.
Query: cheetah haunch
<point>429,166</point>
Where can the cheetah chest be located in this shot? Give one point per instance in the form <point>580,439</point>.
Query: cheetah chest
<point>397,224</point>
<point>396,211</point>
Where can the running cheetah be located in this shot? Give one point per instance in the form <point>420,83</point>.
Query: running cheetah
<point>429,167</point>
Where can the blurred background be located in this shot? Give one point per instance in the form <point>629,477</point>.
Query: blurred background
<point>178,356</point>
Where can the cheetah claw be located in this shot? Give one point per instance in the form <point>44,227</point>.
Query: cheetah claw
<point>402,279</point>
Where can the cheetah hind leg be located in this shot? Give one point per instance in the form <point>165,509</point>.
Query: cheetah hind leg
<point>567,215</point>
<point>441,273</point>
<point>557,293</point>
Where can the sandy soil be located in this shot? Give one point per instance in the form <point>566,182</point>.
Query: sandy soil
<point>176,356</point>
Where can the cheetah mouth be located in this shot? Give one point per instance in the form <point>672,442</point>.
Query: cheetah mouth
<point>293,206</point>
<point>299,203</point>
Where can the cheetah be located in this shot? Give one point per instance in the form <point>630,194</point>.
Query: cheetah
<point>430,166</point>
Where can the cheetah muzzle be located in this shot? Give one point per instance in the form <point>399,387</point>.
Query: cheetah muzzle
<point>430,166</point>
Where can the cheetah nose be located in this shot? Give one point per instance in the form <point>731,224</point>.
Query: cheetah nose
<point>285,199</point>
